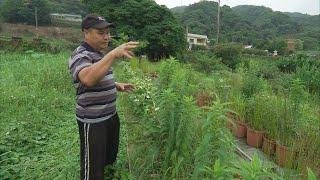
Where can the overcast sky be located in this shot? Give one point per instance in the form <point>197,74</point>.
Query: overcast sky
<point>303,6</point>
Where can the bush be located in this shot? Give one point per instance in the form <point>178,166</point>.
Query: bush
<point>253,84</point>
<point>203,61</point>
<point>287,65</point>
<point>198,48</point>
<point>310,77</point>
<point>310,43</point>
<point>253,81</point>
<point>229,53</point>
<point>265,68</point>
<point>268,70</point>
<point>208,64</point>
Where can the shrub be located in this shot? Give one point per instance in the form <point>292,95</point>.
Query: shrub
<point>203,61</point>
<point>287,65</point>
<point>229,53</point>
<point>290,65</point>
<point>268,71</point>
<point>208,63</point>
<point>166,71</point>
<point>252,83</point>
<point>309,76</point>
<point>297,94</point>
<point>198,48</point>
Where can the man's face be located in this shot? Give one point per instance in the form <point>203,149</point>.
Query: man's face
<point>98,38</point>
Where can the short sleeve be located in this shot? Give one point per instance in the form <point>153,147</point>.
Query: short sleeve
<point>77,63</point>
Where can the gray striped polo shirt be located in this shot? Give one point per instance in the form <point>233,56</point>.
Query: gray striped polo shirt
<point>94,104</point>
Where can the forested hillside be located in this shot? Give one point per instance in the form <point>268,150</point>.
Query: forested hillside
<point>249,24</point>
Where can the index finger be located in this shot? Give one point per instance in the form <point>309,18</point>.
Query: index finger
<point>131,46</point>
<point>133,43</point>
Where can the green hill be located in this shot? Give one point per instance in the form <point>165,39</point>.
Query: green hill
<point>249,24</point>
<point>179,9</point>
<point>305,19</point>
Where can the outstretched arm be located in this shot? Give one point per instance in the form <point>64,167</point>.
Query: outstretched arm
<point>91,75</point>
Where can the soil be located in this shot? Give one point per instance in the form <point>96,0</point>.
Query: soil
<point>21,30</point>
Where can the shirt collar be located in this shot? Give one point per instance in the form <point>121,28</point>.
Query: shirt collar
<point>88,47</point>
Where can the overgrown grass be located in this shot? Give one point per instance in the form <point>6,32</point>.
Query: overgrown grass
<point>39,133</point>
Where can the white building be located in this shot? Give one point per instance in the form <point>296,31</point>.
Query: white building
<point>57,18</point>
<point>196,39</point>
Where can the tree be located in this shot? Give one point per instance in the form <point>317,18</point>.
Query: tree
<point>68,7</point>
<point>279,45</point>
<point>146,21</point>
<point>310,43</point>
<point>23,11</point>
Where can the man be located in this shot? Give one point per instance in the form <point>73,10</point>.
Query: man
<point>96,96</point>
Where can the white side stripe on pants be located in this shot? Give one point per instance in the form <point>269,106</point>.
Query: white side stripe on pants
<point>87,151</point>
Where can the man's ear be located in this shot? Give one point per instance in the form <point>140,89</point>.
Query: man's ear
<point>85,31</point>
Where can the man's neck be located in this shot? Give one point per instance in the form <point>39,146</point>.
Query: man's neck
<point>91,47</point>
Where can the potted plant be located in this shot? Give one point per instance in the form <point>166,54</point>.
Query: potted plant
<point>286,135</point>
<point>292,123</point>
<point>308,139</point>
<point>272,117</point>
<point>237,126</point>
<point>255,118</point>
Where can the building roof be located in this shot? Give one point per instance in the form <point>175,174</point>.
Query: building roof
<point>66,15</point>
<point>197,36</point>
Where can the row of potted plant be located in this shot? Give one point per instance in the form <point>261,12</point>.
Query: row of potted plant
<point>272,123</point>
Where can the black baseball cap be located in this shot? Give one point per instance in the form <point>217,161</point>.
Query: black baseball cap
<point>95,21</point>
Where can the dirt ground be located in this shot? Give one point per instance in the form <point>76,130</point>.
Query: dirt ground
<point>70,34</point>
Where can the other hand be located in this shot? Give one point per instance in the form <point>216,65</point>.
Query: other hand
<point>124,87</point>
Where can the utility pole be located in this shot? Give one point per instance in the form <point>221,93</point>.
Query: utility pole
<point>36,18</point>
<point>218,30</point>
<point>187,36</point>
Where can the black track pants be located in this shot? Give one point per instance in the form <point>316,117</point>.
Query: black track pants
<point>98,147</point>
